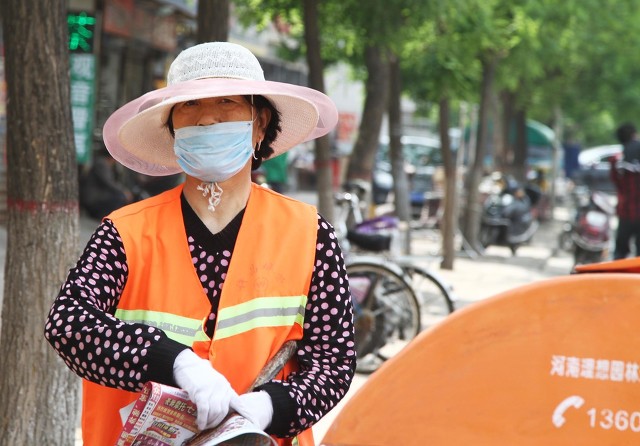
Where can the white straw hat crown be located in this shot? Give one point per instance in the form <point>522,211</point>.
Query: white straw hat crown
<point>215,59</point>
<point>137,134</point>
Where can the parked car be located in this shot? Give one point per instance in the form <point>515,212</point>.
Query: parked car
<point>594,167</point>
<point>423,160</point>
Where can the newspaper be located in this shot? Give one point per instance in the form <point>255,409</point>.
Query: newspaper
<point>164,416</point>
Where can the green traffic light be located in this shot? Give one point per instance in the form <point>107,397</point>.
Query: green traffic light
<point>80,31</point>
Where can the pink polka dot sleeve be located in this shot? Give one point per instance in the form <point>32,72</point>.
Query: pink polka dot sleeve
<point>326,354</point>
<point>91,341</point>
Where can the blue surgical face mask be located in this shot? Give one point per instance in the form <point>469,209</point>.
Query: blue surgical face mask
<point>214,152</point>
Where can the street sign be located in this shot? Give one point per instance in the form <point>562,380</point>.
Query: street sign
<point>83,78</point>
<point>83,74</point>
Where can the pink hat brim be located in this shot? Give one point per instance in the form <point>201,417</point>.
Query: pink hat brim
<point>137,136</point>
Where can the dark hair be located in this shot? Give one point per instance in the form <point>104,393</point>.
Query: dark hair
<point>625,132</point>
<point>270,133</point>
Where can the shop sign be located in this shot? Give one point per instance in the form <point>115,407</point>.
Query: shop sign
<point>83,75</point>
<point>164,33</point>
<point>142,25</point>
<point>82,62</point>
<point>117,17</point>
<point>124,18</point>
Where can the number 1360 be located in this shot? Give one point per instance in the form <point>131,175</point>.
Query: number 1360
<point>620,420</point>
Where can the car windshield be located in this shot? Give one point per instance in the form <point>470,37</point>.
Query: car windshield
<point>415,154</point>
<point>420,155</point>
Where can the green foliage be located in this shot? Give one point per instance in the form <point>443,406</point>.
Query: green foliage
<point>578,55</point>
<point>581,59</point>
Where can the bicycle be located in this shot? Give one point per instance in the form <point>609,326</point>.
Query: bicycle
<point>394,298</point>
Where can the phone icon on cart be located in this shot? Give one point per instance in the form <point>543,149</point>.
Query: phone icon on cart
<point>574,401</point>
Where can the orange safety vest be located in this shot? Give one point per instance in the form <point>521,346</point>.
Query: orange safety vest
<point>261,305</point>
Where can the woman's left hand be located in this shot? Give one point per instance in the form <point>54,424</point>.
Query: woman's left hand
<point>255,406</point>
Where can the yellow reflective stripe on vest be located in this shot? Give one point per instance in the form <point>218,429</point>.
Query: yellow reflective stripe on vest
<point>260,312</point>
<point>179,328</point>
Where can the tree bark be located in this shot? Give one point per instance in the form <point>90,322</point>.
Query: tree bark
<point>39,394</point>
<point>520,149</point>
<point>473,206</point>
<point>507,100</point>
<point>558,130</point>
<point>449,224</point>
<point>365,148</point>
<point>323,159</point>
<point>213,21</point>
<point>402,201</point>
<point>500,154</point>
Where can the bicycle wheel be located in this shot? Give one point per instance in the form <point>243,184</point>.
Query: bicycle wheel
<point>387,313</point>
<point>435,299</point>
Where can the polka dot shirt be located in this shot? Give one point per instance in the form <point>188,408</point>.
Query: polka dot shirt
<point>82,328</point>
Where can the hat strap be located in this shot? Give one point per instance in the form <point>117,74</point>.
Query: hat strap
<point>215,194</point>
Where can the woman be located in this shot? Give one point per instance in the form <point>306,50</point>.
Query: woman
<point>146,301</point>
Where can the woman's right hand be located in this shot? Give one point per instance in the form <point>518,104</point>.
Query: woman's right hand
<point>208,389</point>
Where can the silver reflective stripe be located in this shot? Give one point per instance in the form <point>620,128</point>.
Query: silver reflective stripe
<point>260,312</point>
<point>179,328</point>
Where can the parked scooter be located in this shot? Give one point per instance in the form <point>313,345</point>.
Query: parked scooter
<point>588,235</point>
<point>507,217</point>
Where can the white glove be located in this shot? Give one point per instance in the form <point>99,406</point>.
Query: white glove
<point>255,406</point>
<point>208,389</point>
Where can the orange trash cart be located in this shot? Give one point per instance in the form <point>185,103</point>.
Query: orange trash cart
<point>552,363</point>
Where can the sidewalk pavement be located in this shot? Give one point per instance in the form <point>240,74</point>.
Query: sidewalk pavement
<point>497,270</point>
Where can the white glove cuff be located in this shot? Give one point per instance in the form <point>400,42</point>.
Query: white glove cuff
<point>256,406</point>
<point>263,400</point>
<point>186,358</point>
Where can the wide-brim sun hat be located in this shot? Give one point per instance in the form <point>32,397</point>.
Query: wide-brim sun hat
<point>137,135</point>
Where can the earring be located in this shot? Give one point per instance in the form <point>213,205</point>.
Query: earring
<point>255,152</point>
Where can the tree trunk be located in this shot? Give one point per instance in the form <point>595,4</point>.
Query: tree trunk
<point>500,155</point>
<point>365,148</point>
<point>323,159</point>
<point>213,21</point>
<point>558,130</point>
<point>449,224</point>
<point>519,169</point>
<point>473,205</point>
<point>507,100</point>
<point>400,181</point>
<point>39,394</point>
